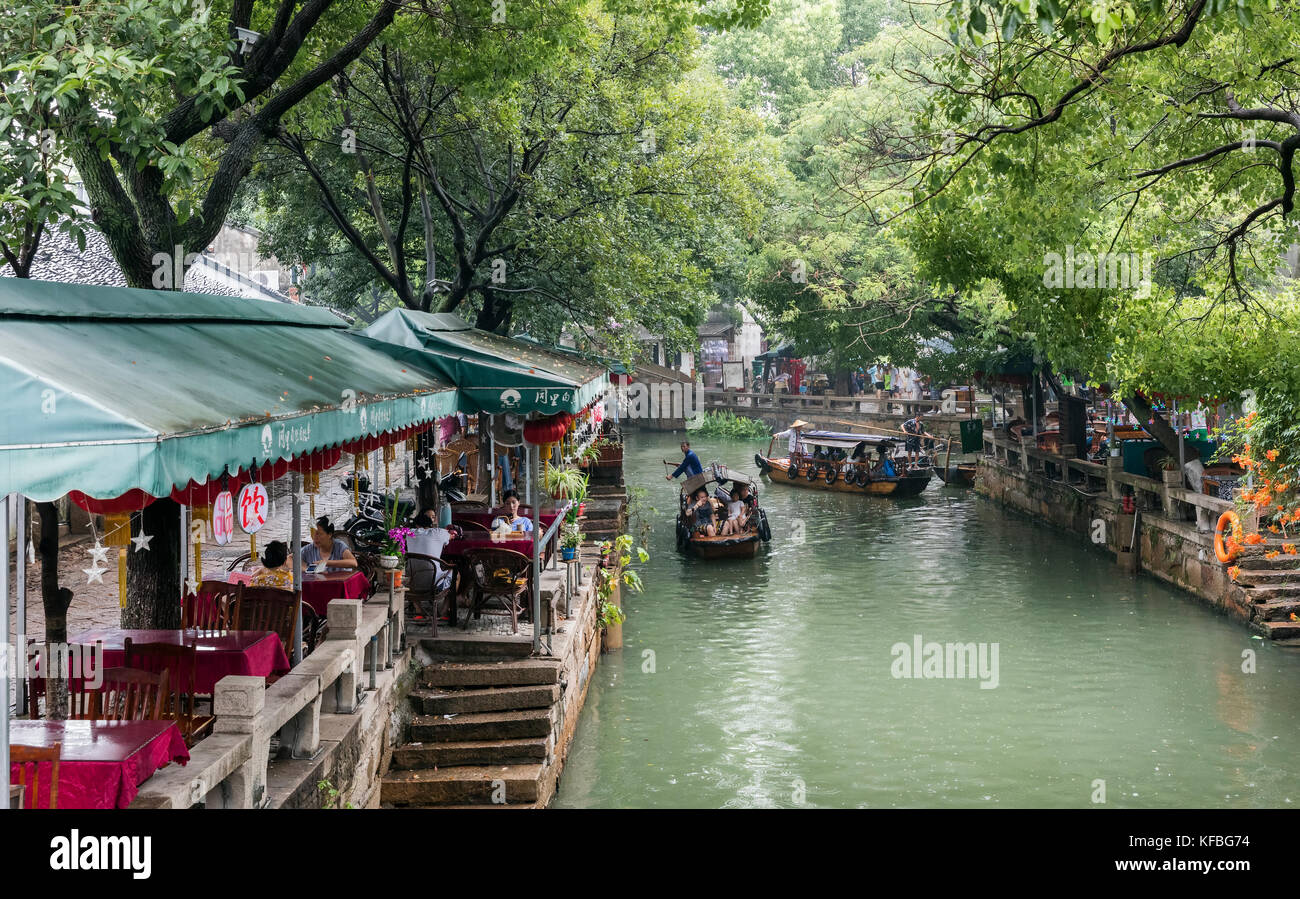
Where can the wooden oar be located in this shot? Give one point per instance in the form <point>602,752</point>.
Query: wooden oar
<point>858,424</point>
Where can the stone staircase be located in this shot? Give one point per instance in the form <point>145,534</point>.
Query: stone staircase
<point>1273,588</point>
<point>605,513</point>
<point>483,736</point>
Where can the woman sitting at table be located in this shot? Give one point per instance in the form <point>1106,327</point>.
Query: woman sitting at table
<point>510,519</point>
<point>325,546</point>
<point>427,539</point>
<point>275,570</point>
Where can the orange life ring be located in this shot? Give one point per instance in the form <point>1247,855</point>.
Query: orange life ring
<point>1226,520</point>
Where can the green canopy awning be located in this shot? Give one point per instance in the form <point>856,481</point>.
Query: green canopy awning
<point>111,389</point>
<point>492,373</point>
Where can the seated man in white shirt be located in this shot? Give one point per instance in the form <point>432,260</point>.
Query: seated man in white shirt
<point>427,539</point>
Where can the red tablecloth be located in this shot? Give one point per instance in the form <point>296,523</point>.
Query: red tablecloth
<point>522,543</point>
<point>253,653</point>
<point>101,763</point>
<point>486,518</point>
<point>319,589</point>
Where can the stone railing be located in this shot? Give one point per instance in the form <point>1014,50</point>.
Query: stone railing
<point>1167,497</point>
<point>229,768</point>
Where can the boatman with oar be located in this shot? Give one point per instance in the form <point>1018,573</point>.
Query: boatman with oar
<point>795,433</point>
<point>690,463</point>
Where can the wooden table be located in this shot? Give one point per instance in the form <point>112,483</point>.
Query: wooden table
<point>101,763</point>
<point>319,589</point>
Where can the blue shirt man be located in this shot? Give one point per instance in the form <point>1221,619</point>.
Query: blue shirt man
<point>690,463</point>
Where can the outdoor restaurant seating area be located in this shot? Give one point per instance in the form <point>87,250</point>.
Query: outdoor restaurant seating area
<point>297,390</point>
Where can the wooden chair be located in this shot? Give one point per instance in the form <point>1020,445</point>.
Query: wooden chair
<point>180,664</point>
<point>501,574</point>
<point>422,584</point>
<point>128,694</point>
<point>470,528</point>
<point>269,609</point>
<point>212,609</point>
<point>78,700</point>
<point>29,760</point>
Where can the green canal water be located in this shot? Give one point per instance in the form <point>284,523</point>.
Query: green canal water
<point>770,682</point>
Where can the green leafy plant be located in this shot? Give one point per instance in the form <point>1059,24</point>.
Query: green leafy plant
<point>610,614</point>
<point>563,482</point>
<point>619,554</point>
<point>331,797</point>
<point>729,426</point>
<point>571,537</point>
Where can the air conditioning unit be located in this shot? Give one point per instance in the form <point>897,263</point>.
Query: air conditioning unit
<point>508,429</point>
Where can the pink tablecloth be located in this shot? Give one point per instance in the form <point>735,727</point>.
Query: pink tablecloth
<point>486,518</point>
<point>101,763</point>
<point>319,589</point>
<point>522,544</point>
<point>252,653</point>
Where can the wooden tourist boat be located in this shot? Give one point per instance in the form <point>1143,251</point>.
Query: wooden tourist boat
<point>960,475</point>
<point>841,462</point>
<point>733,546</point>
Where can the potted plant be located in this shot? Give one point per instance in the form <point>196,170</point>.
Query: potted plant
<point>1170,473</point>
<point>570,540</point>
<point>609,582</point>
<point>394,547</point>
<point>562,482</point>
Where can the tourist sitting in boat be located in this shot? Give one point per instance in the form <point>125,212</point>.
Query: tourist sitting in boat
<point>737,515</point>
<point>746,496</point>
<point>701,512</point>
<point>884,467</point>
<point>690,463</point>
<point>511,520</point>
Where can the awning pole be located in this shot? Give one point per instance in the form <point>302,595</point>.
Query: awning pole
<point>4,647</point>
<point>536,491</point>
<point>492,465</point>
<point>185,551</point>
<point>295,537</point>
<point>20,640</point>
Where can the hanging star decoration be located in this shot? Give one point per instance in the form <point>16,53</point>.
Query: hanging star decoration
<point>98,554</point>
<point>141,542</point>
<point>94,574</point>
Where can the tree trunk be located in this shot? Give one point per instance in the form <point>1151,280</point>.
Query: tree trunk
<point>153,576</point>
<point>1157,427</point>
<point>56,600</point>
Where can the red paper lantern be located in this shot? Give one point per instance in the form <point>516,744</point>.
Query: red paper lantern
<point>131,501</point>
<point>543,431</point>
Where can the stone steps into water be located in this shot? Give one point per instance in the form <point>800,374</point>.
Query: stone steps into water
<point>466,784</point>
<point>514,673</point>
<point>1280,630</point>
<point>1277,610</point>
<point>489,699</point>
<point>508,725</point>
<point>524,751</point>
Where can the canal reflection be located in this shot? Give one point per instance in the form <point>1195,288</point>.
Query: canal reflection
<point>768,682</point>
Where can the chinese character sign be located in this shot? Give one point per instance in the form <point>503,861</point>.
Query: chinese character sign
<point>223,518</point>
<point>253,505</point>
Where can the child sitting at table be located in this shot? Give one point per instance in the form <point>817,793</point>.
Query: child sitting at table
<point>275,571</point>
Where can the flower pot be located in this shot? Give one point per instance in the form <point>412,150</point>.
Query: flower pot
<point>1172,477</point>
<point>387,561</point>
<point>582,508</point>
<point>567,553</point>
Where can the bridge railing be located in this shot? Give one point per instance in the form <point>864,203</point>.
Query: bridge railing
<point>827,403</point>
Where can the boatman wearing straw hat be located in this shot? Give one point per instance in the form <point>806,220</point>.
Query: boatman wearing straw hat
<point>795,433</point>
